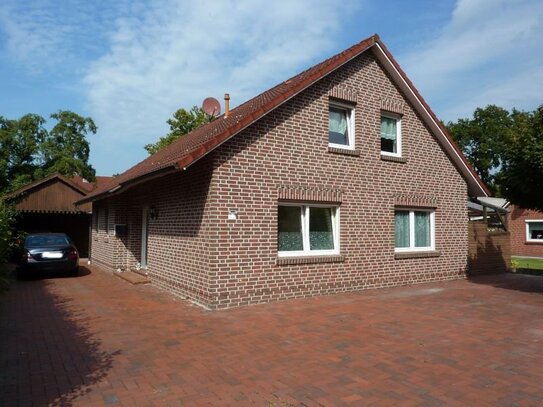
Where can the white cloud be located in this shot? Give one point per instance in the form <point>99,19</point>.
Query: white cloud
<point>522,91</point>
<point>487,46</point>
<point>47,36</point>
<point>178,52</point>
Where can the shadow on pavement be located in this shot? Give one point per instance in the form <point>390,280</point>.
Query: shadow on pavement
<point>511,281</point>
<point>48,355</point>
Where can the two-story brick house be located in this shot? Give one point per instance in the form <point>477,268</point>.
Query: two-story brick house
<point>340,178</point>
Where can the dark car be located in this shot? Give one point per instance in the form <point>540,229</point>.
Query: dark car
<point>42,252</point>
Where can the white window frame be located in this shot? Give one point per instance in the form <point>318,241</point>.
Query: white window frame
<point>350,124</point>
<point>528,239</point>
<point>304,213</point>
<point>412,247</point>
<point>398,119</point>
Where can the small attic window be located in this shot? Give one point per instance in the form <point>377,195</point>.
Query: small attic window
<point>341,125</point>
<point>391,135</point>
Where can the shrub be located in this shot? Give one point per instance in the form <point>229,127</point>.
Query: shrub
<point>7,218</point>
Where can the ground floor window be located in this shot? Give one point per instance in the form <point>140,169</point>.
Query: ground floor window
<point>307,230</point>
<point>414,230</point>
<point>534,231</point>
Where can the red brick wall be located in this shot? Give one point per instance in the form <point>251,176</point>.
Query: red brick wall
<point>489,251</point>
<point>290,147</point>
<point>178,238</point>
<point>517,226</point>
<point>195,250</point>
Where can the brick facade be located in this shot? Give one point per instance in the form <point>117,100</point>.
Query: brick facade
<point>195,250</point>
<point>489,250</point>
<point>517,226</point>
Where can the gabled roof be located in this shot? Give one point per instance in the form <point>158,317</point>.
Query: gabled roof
<point>75,182</point>
<point>193,146</point>
<point>98,182</point>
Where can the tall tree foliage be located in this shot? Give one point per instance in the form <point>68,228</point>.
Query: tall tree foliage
<point>29,151</point>
<point>506,150</point>
<point>20,142</point>
<point>483,140</point>
<point>182,122</point>
<point>66,149</point>
<point>521,178</point>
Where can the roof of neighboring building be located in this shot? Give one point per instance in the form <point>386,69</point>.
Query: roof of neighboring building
<point>89,186</point>
<point>193,146</point>
<point>499,202</point>
<point>54,194</point>
<point>78,183</point>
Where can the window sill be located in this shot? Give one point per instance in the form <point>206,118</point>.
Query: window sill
<point>344,151</point>
<point>334,258</point>
<point>393,159</point>
<point>532,242</point>
<point>417,255</point>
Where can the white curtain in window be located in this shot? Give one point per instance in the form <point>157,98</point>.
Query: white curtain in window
<point>321,236</point>
<point>337,127</point>
<point>338,121</point>
<point>422,229</point>
<point>388,128</point>
<point>289,229</point>
<point>402,228</point>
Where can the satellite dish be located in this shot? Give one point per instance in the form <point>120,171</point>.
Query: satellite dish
<point>211,106</point>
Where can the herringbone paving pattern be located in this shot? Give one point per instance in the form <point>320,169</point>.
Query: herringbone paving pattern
<point>96,340</point>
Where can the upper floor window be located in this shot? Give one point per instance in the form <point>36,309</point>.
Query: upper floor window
<point>414,230</point>
<point>307,230</point>
<point>391,135</point>
<point>534,231</point>
<point>341,125</point>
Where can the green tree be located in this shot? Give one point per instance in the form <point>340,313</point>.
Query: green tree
<point>20,142</point>
<point>28,151</point>
<point>65,148</point>
<point>483,140</point>
<point>521,177</point>
<point>7,218</point>
<point>506,150</point>
<point>181,123</point>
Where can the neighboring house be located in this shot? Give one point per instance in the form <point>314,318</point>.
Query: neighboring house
<point>526,232</point>
<point>338,179</point>
<point>47,205</point>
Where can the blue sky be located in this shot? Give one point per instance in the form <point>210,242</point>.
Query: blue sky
<point>130,64</point>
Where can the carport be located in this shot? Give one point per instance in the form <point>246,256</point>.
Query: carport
<point>47,205</point>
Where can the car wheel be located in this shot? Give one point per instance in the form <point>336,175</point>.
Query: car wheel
<point>75,271</point>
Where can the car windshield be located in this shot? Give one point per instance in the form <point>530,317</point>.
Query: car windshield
<point>44,241</point>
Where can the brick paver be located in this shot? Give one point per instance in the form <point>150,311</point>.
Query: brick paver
<point>97,340</point>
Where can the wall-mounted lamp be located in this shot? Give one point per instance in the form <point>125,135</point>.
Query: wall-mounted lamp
<point>232,214</point>
<point>153,212</point>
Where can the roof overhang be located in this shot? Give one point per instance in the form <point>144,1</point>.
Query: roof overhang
<point>129,184</point>
<point>475,186</point>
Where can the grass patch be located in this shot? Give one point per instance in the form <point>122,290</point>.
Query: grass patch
<point>527,266</point>
<point>523,263</point>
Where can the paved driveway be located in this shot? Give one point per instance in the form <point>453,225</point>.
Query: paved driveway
<point>96,340</point>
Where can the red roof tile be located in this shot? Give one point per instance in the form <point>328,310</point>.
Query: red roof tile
<point>191,147</point>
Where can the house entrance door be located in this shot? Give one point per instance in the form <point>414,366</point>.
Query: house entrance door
<point>144,236</point>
